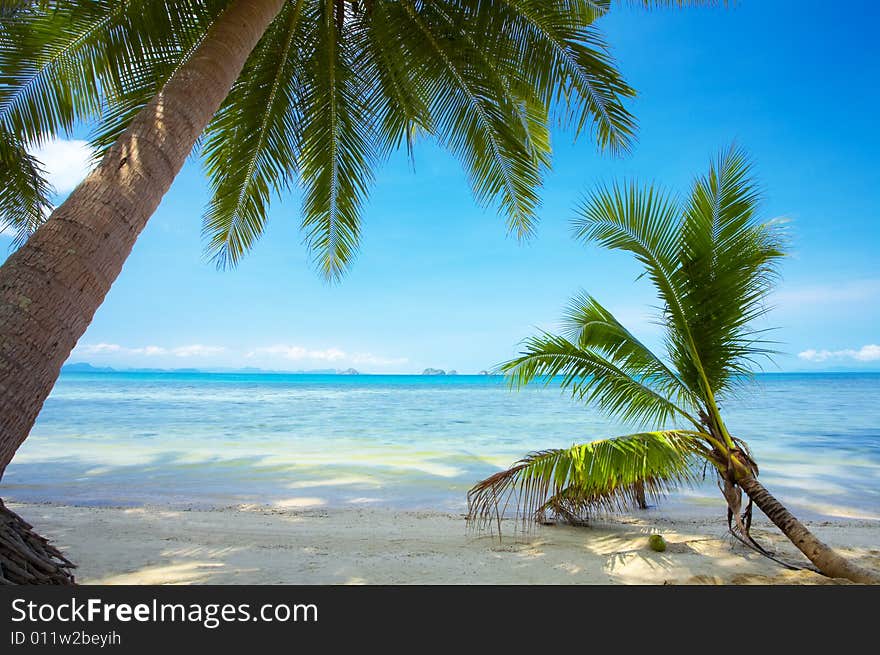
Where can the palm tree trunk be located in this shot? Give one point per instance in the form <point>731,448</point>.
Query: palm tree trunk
<point>825,559</point>
<point>639,491</point>
<point>51,287</point>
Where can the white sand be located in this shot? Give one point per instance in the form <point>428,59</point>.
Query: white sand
<point>262,545</point>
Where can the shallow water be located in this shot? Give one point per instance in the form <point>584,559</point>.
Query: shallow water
<point>402,441</point>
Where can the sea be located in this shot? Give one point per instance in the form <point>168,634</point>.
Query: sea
<point>408,442</point>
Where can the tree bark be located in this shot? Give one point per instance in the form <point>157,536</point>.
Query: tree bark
<point>824,557</point>
<point>51,287</point>
<point>639,491</point>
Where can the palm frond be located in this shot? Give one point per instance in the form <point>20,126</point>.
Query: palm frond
<point>60,62</point>
<point>250,146</point>
<point>572,69</point>
<point>338,148</point>
<point>611,382</point>
<point>710,260</point>
<point>645,222</point>
<point>9,8</point>
<point>591,326</point>
<point>472,114</point>
<point>24,191</point>
<point>728,266</point>
<point>605,475</point>
<point>399,98</point>
<point>497,56</point>
<point>38,96</point>
<point>141,79</point>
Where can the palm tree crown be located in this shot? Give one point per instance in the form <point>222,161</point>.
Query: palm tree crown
<point>331,89</point>
<point>712,263</point>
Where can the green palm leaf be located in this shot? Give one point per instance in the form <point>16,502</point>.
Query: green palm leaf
<point>608,381</point>
<point>499,61</point>
<point>62,61</point>
<point>647,223</point>
<point>727,267</point>
<point>576,74</point>
<point>338,147</point>
<point>250,147</point>
<point>604,475</point>
<point>592,326</point>
<point>24,191</point>
<point>642,221</point>
<point>472,113</point>
<point>399,98</point>
<point>41,90</point>
<point>140,79</point>
<point>66,62</point>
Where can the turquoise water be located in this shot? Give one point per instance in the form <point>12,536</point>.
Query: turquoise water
<point>406,441</point>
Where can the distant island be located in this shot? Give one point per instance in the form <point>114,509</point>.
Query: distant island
<point>85,367</point>
<point>433,371</point>
<point>348,371</point>
<point>484,373</point>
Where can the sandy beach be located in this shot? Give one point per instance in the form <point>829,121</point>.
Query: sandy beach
<point>271,545</point>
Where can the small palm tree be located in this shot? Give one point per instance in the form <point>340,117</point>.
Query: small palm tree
<point>712,263</point>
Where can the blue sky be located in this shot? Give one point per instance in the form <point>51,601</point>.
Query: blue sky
<point>438,283</point>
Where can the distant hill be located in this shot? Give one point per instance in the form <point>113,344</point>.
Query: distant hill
<point>85,367</point>
<point>433,371</point>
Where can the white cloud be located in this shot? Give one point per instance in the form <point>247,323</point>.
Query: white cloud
<point>298,353</point>
<point>66,162</point>
<point>193,350</point>
<point>149,351</point>
<point>98,348</point>
<point>851,291</point>
<point>867,353</point>
<point>270,355</point>
<point>197,350</point>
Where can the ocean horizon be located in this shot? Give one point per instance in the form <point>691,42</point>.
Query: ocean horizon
<point>197,439</point>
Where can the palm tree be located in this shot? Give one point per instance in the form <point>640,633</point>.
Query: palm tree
<point>712,263</point>
<point>278,91</point>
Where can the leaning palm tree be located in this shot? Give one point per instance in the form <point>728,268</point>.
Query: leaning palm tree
<point>314,93</point>
<point>712,263</point>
